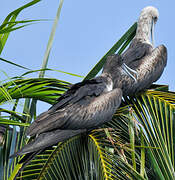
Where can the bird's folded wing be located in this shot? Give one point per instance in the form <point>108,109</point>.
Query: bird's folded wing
<point>58,114</point>
<point>87,113</point>
<point>149,69</point>
<point>136,51</point>
<point>154,64</point>
<point>98,111</point>
<point>79,90</point>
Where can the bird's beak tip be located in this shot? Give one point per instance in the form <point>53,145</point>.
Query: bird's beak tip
<point>152,32</point>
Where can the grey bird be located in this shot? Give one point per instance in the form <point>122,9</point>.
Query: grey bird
<point>85,106</point>
<point>141,56</point>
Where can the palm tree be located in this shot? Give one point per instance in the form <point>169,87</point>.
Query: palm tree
<point>142,129</point>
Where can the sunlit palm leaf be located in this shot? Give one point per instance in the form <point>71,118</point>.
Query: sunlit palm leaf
<point>44,89</point>
<point>78,158</point>
<point>51,38</point>
<point>29,107</point>
<point>50,89</point>
<point>102,156</point>
<point>58,162</point>
<point>12,26</point>
<point>87,157</point>
<point>12,122</point>
<point>47,69</point>
<point>155,111</point>
<point>9,23</point>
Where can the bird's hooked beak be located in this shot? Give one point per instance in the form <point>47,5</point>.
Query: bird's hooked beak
<point>152,31</point>
<point>129,72</point>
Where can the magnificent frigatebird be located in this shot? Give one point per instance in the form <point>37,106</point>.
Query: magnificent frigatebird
<point>85,106</point>
<point>141,56</point>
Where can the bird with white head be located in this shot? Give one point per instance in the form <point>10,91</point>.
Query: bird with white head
<point>142,57</point>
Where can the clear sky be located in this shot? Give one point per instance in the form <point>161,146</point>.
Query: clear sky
<point>86,31</point>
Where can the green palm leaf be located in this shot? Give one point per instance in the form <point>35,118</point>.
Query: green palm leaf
<point>139,144</point>
<point>44,89</point>
<point>155,110</point>
<point>86,157</point>
<point>10,22</point>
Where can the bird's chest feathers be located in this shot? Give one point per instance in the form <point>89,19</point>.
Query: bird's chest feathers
<point>109,86</point>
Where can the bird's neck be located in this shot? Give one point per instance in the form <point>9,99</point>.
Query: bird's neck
<point>107,76</point>
<point>112,80</point>
<point>108,81</point>
<point>144,29</point>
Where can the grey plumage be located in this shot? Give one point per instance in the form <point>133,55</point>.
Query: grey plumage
<point>47,139</point>
<point>85,106</point>
<point>147,61</point>
<point>149,69</point>
<point>89,104</point>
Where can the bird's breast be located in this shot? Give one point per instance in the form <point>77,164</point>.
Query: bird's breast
<point>109,86</point>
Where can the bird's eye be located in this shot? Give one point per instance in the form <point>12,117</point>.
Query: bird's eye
<point>155,19</point>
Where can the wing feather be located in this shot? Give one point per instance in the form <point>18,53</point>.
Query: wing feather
<point>80,94</point>
<point>149,69</point>
<point>87,113</point>
<point>79,90</point>
<point>136,51</point>
<point>47,139</point>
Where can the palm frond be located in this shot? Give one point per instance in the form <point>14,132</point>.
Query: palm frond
<point>139,145</point>
<point>10,22</point>
<point>122,42</point>
<point>10,62</point>
<point>44,89</point>
<point>155,109</point>
<point>48,69</point>
<point>88,156</point>
<point>50,42</point>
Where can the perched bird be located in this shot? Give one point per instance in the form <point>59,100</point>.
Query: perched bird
<point>141,56</point>
<point>85,106</point>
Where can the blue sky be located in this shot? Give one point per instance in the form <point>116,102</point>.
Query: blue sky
<point>86,31</point>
